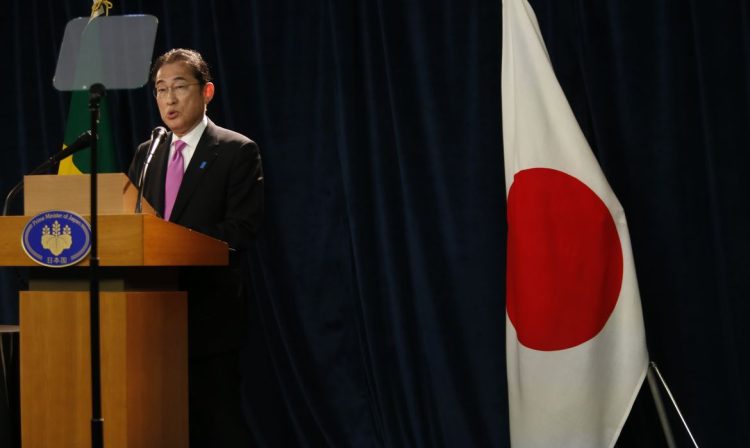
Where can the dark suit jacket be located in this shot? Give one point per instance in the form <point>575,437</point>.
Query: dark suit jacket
<point>221,195</point>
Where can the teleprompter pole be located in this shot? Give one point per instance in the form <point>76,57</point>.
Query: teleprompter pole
<point>96,93</point>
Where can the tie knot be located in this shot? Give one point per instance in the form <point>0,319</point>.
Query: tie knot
<point>179,145</point>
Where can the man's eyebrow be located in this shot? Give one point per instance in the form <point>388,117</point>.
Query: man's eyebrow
<point>176,78</point>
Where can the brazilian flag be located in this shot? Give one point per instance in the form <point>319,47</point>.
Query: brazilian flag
<point>79,121</point>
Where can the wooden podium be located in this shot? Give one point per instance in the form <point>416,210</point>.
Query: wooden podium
<point>143,321</point>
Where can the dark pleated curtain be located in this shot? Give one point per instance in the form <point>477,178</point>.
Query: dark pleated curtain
<point>377,317</point>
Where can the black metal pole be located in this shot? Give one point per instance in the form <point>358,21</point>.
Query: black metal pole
<point>97,92</point>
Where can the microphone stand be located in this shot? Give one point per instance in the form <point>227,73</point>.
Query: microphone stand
<point>157,137</point>
<point>11,194</point>
<point>141,176</point>
<point>97,92</point>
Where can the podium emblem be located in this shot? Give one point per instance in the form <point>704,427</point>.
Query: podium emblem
<point>56,238</point>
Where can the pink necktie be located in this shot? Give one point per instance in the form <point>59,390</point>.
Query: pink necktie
<point>175,170</point>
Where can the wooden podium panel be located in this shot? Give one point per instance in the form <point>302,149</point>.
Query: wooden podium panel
<point>143,367</point>
<point>129,240</point>
<point>143,321</point>
<point>115,194</point>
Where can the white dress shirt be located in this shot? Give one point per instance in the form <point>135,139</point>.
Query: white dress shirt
<point>191,140</point>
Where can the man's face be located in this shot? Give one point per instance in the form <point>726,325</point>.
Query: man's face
<point>182,101</point>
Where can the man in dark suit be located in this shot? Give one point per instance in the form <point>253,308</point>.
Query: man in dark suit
<point>208,179</point>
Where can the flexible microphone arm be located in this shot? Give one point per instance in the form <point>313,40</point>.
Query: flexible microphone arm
<point>157,137</point>
<point>83,141</point>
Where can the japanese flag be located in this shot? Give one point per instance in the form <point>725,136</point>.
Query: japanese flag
<point>576,350</point>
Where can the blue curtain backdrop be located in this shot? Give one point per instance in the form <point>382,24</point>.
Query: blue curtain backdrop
<point>378,306</point>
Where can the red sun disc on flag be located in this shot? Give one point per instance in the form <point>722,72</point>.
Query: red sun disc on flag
<point>564,260</point>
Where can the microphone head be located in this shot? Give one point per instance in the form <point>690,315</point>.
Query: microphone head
<point>158,132</point>
<point>81,142</point>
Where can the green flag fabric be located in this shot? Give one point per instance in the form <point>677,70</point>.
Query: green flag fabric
<point>79,121</point>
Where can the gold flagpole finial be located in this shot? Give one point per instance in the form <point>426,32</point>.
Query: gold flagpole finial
<point>100,7</point>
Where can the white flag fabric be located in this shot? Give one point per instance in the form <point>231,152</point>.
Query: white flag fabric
<point>576,350</point>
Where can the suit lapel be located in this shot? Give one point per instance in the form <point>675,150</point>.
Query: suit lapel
<point>203,157</point>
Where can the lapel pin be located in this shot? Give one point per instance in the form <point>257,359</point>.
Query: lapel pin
<point>203,164</point>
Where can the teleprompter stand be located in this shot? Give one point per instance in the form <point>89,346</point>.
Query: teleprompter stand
<point>105,51</point>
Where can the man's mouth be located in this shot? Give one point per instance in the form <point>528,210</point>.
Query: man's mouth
<point>171,114</point>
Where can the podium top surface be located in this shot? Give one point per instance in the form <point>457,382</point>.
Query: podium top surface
<point>128,240</point>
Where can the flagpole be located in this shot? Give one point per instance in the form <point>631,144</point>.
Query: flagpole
<point>97,92</point>
<point>665,426</point>
<point>652,371</point>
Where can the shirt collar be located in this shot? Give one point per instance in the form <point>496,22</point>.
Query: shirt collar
<point>193,137</point>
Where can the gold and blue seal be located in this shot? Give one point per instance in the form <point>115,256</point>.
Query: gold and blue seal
<point>56,238</point>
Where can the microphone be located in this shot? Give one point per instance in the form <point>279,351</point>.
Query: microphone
<point>158,135</point>
<point>81,142</point>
